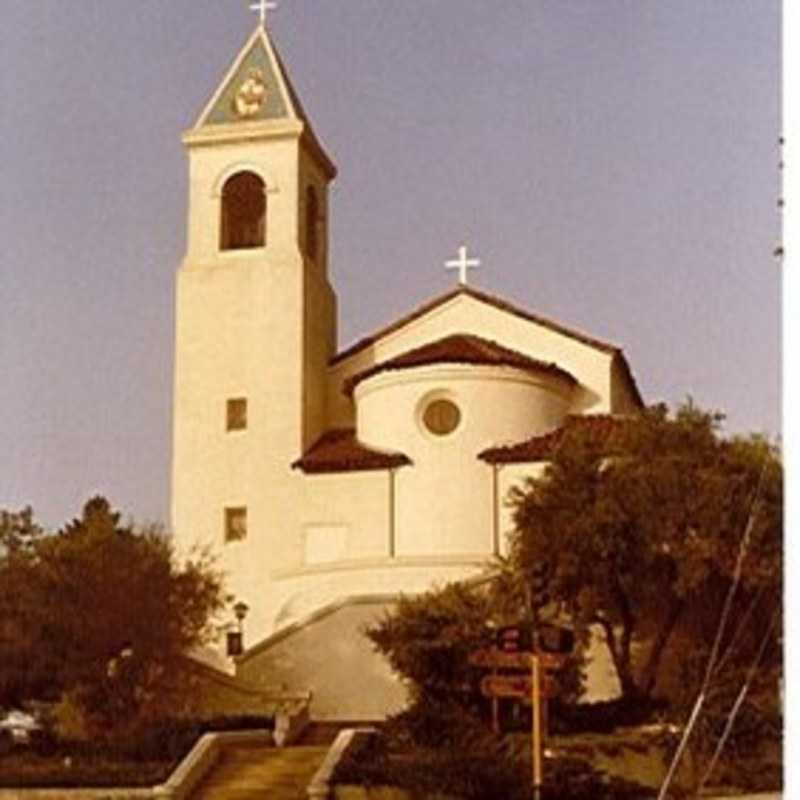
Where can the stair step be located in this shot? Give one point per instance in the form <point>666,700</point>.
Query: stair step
<point>243,773</point>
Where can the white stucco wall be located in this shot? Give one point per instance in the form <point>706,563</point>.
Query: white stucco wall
<point>350,681</point>
<point>445,501</point>
<point>256,324</point>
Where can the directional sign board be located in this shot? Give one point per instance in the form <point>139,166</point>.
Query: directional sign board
<point>518,686</point>
<point>497,659</point>
<point>514,639</point>
<point>555,639</point>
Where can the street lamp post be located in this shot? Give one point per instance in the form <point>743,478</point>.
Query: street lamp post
<point>236,638</point>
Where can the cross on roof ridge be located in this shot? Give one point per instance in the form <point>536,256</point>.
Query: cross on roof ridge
<point>463,264</point>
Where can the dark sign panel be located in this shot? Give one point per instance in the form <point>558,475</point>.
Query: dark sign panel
<point>515,639</point>
<point>497,659</point>
<point>516,686</point>
<point>554,639</point>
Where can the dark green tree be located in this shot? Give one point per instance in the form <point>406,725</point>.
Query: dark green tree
<point>19,668</point>
<point>19,532</point>
<point>106,614</point>
<point>427,639</point>
<point>642,532</point>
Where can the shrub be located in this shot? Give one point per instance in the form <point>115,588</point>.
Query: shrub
<point>572,779</point>
<point>439,750</point>
<point>436,748</point>
<point>603,716</point>
<point>144,760</point>
<point>6,742</point>
<point>171,739</point>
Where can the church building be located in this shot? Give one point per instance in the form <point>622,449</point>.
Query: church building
<point>330,481</point>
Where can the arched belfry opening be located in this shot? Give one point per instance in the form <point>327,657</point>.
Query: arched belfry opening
<point>244,212</point>
<point>312,223</point>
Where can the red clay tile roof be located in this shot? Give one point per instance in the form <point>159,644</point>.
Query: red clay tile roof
<point>459,349</point>
<point>503,305</point>
<point>340,451</point>
<point>600,429</point>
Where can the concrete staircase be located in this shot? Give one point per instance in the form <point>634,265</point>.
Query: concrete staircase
<point>248,772</point>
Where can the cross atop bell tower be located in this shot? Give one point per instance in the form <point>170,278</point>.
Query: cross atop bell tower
<point>262,6</point>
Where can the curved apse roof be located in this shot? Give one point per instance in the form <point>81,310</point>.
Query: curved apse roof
<point>460,349</point>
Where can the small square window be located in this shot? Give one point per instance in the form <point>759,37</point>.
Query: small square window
<point>235,524</point>
<point>237,414</point>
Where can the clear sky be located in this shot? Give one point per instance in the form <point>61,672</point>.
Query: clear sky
<point>614,164</point>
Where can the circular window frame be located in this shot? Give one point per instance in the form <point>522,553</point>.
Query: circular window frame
<point>436,397</point>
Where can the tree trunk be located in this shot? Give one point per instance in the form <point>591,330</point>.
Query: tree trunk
<point>620,655</point>
<point>650,670</point>
<point>624,669</point>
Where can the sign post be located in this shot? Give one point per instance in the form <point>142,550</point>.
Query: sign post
<point>495,708</point>
<point>536,700</point>
<point>521,663</point>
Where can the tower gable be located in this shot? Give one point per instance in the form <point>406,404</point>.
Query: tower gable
<point>256,88</point>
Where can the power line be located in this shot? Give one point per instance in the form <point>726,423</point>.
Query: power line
<point>712,659</point>
<point>738,704</point>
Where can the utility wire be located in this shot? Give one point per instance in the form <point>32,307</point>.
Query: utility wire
<point>742,626</point>
<point>737,575</point>
<point>712,659</point>
<point>737,705</point>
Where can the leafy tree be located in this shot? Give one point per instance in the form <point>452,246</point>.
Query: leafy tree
<point>427,640</point>
<point>642,534</point>
<point>19,534</point>
<point>106,614</point>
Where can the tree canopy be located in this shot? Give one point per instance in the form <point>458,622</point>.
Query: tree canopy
<point>100,610</point>
<point>641,533</point>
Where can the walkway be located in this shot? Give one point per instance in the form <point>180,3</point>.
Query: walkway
<point>247,773</point>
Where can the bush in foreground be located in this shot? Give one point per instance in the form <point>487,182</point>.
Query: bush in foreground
<point>439,750</point>
<point>144,760</point>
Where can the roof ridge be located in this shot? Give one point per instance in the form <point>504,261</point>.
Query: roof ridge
<point>482,296</point>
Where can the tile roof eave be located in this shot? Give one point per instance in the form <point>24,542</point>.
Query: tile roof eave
<point>541,448</point>
<point>338,451</point>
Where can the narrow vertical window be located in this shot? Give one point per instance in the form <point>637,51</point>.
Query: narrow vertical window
<point>244,212</point>
<point>235,524</point>
<point>236,414</point>
<point>312,222</point>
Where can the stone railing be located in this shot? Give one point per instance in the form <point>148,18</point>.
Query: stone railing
<point>201,760</point>
<point>321,787</point>
<point>291,720</point>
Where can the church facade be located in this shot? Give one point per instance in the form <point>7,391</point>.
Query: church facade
<point>329,482</point>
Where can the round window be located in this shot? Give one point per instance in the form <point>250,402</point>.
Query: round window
<point>441,417</point>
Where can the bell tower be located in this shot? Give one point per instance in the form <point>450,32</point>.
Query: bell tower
<point>255,312</point>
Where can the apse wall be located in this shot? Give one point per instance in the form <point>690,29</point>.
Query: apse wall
<point>445,502</point>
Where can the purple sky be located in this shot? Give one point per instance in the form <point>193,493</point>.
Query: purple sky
<point>613,163</point>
